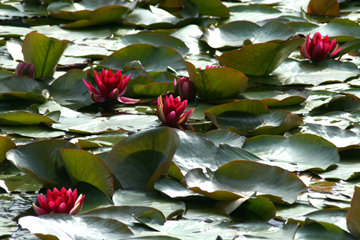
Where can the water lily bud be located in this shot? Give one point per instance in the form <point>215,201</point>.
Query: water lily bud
<point>319,49</point>
<point>111,86</point>
<point>55,201</point>
<point>170,110</point>
<point>25,69</point>
<point>185,88</point>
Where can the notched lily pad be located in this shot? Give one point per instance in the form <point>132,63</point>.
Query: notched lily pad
<point>233,34</point>
<point>252,117</point>
<point>242,178</point>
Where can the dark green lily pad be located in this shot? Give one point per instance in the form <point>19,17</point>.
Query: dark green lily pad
<point>293,72</point>
<point>149,150</point>
<point>191,35</point>
<point>23,87</point>
<point>352,216</point>
<point>253,12</point>
<point>33,131</point>
<point>277,98</point>
<point>152,58</point>
<point>64,226</point>
<point>227,153</point>
<point>42,161</point>
<point>6,145</point>
<point>86,167</point>
<point>219,137</point>
<point>212,8</point>
<point>259,59</point>
<point>233,34</point>
<point>43,52</point>
<point>252,117</point>
<point>345,103</point>
<point>149,90</point>
<point>155,39</point>
<point>217,83</point>
<point>242,178</point>
<point>168,206</point>
<point>298,152</point>
<point>343,139</point>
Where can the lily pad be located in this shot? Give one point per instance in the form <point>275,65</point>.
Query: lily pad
<point>293,72</point>
<point>259,59</point>
<point>233,34</point>
<point>277,98</point>
<point>242,178</point>
<point>217,83</point>
<point>253,12</point>
<point>212,8</point>
<point>252,117</point>
<point>152,58</point>
<point>42,161</point>
<point>140,159</point>
<point>43,52</point>
<point>65,226</point>
<point>156,39</point>
<point>149,90</point>
<point>298,152</point>
<point>6,144</point>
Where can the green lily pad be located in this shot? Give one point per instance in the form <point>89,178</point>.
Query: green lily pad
<point>156,39</point>
<point>227,153</point>
<point>23,87</point>
<point>233,34</point>
<point>43,52</point>
<point>187,157</point>
<point>219,137</point>
<point>255,208</point>
<point>168,206</point>
<point>242,178</point>
<point>253,12</point>
<point>152,58</point>
<point>42,161</point>
<point>277,98</point>
<point>86,167</point>
<point>212,8</point>
<point>126,214</point>
<point>293,72</point>
<point>345,103</point>
<point>32,131</point>
<point>252,117</point>
<point>342,29</point>
<point>352,217</point>
<point>302,27</point>
<point>295,153</point>
<point>69,90</point>
<point>65,226</point>
<point>343,139</point>
<point>175,189</point>
<point>191,35</point>
<point>149,150</point>
<point>14,118</point>
<point>6,144</point>
<point>149,90</point>
<point>259,59</point>
<point>217,83</point>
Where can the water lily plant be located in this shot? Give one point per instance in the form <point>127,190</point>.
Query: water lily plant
<point>319,49</point>
<point>185,88</point>
<point>212,66</point>
<point>111,86</point>
<point>63,201</point>
<point>170,110</point>
<point>24,68</point>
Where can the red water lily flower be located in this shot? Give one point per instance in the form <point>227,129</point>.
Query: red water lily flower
<point>319,49</point>
<point>185,88</point>
<point>169,110</point>
<point>64,201</point>
<point>111,86</point>
<point>24,68</point>
<point>212,66</point>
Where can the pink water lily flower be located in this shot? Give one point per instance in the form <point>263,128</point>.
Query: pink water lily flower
<point>212,66</point>
<point>185,88</point>
<point>111,86</point>
<point>319,49</point>
<point>24,68</point>
<point>169,110</point>
<point>64,201</point>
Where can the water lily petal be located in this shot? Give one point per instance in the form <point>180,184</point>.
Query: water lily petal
<point>126,100</point>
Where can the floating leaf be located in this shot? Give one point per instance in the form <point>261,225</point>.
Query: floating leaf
<point>259,59</point>
<point>298,152</point>
<point>242,178</point>
<point>217,83</point>
<point>212,8</point>
<point>86,167</point>
<point>324,7</point>
<point>42,161</point>
<point>233,34</point>
<point>152,58</point>
<point>352,217</point>
<point>65,226</point>
<point>6,145</point>
<point>43,52</point>
<point>13,118</point>
<point>140,159</point>
<point>252,117</point>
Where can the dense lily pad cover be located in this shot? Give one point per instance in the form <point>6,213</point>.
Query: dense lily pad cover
<point>271,150</point>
